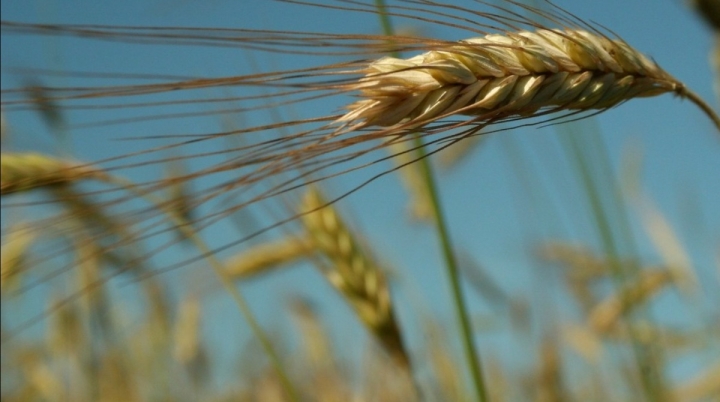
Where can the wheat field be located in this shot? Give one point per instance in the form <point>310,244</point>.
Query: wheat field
<point>353,200</point>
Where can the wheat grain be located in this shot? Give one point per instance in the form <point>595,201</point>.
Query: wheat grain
<point>497,76</point>
<point>26,171</point>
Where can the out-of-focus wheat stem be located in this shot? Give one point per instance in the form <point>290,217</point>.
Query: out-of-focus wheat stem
<point>471,355</point>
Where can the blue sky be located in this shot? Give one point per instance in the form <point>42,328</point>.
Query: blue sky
<point>514,191</point>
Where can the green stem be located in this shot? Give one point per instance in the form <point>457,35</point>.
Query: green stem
<point>650,377</point>
<point>471,354</point>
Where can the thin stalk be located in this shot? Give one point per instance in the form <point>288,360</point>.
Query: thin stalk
<point>227,283</point>
<point>699,102</point>
<point>471,354</point>
<point>651,380</point>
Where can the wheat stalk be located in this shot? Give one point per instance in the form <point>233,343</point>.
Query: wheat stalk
<point>516,74</point>
<point>27,171</point>
<point>353,272</point>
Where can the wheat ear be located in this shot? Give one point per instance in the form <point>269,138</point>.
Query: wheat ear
<point>17,242</point>
<point>515,74</point>
<point>26,171</point>
<point>353,272</point>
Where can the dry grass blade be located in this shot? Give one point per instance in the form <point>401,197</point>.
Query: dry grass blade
<point>354,273</point>
<point>268,256</point>
<point>26,171</point>
<point>14,248</point>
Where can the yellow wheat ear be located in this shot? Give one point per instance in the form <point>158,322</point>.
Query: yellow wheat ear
<point>512,74</point>
<point>26,171</point>
<point>353,272</point>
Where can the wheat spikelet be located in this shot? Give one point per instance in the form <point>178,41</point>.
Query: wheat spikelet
<point>497,76</point>
<point>606,314</point>
<point>353,272</point>
<point>582,269</point>
<point>26,171</point>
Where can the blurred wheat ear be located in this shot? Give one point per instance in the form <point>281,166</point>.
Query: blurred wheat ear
<point>26,171</point>
<point>354,273</point>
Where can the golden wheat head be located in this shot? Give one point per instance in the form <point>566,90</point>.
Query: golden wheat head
<point>496,76</point>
